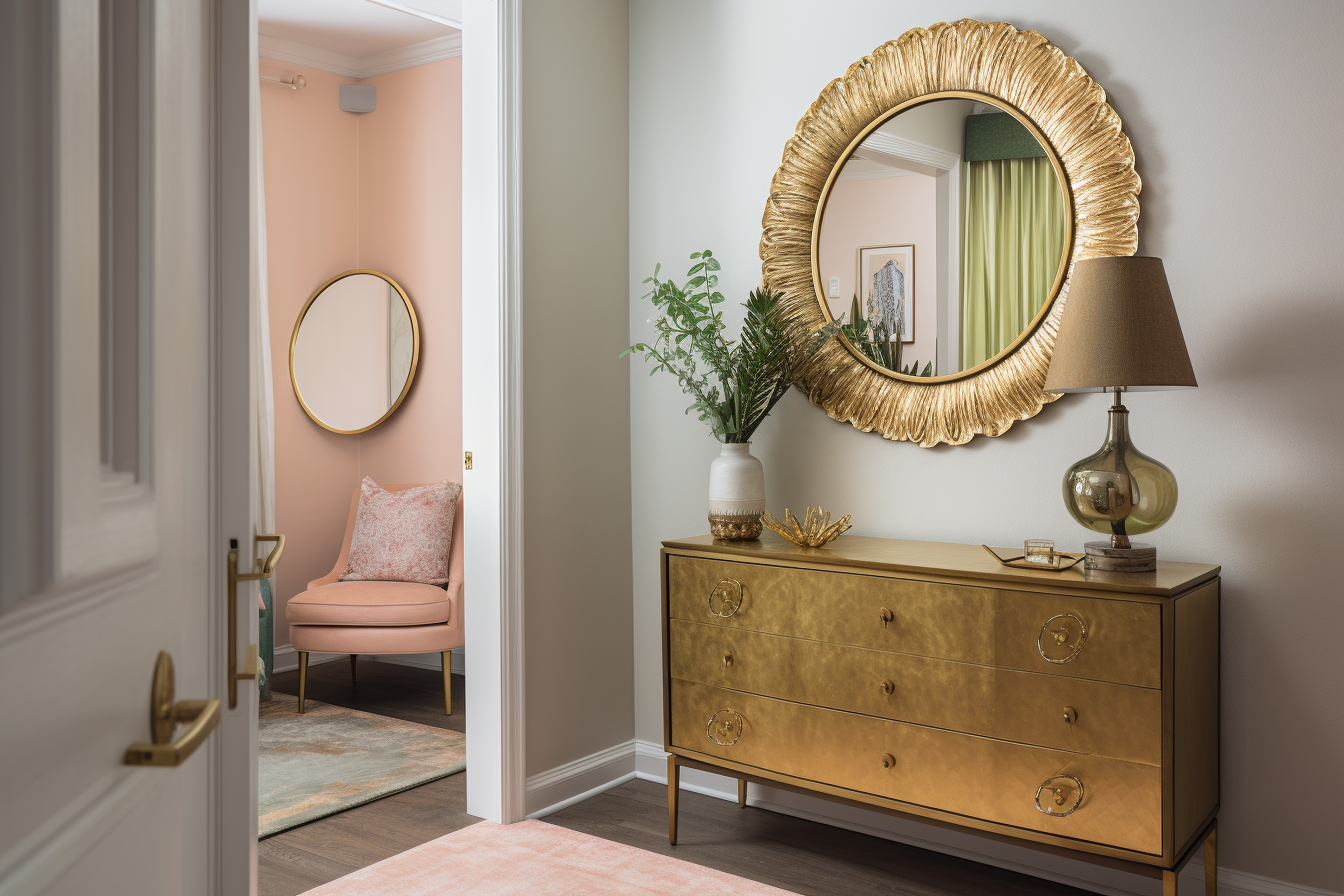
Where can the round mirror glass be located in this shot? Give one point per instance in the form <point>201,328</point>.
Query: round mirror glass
<point>354,351</point>
<point>944,237</point>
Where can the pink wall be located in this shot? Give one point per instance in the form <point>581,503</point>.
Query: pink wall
<point>379,190</point>
<point>885,211</point>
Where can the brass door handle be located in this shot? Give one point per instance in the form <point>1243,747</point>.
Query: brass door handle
<point>888,760</point>
<point>886,616</point>
<point>264,570</point>
<point>888,687</point>
<point>164,715</point>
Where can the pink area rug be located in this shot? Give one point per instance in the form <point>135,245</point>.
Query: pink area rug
<point>533,858</point>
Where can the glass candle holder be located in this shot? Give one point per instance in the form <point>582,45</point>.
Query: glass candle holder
<point>1040,551</point>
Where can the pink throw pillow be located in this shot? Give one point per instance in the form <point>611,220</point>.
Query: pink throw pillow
<point>402,536</point>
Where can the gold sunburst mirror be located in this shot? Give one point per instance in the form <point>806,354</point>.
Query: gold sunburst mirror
<point>927,213</point>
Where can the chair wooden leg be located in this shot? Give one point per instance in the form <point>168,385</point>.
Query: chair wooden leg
<point>303,676</point>
<point>448,681</point>
<point>1169,883</point>
<point>742,792</point>
<point>1211,863</point>
<point>673,788</point>
<point>352,670</point>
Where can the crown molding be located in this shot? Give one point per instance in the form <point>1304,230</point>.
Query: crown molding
<point>445,12</point>
<point>912,151</point>
<point>849,176</point>
<point>359,67</point>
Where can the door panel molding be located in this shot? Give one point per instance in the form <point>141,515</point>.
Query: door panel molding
<point>58,843</point>
<point>71,598</point>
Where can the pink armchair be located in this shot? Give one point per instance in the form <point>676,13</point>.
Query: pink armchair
<point>364,618</point>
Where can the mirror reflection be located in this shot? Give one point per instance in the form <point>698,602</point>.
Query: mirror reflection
<point>944,235</point>
<point>354,351</point>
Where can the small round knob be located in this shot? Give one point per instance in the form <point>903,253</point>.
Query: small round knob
<point>1070,715</point>
<point>888,687</point>
<point>888,760</point>
<point>887,616</point>
<point>727,659</point>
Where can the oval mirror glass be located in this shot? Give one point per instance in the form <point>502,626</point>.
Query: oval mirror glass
<point>354,352</point>
<point>944,238</point>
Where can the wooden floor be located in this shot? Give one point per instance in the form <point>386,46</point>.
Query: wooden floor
<point>789,853</point>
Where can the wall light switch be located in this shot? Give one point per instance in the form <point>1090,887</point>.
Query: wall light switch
<point>835,288</point>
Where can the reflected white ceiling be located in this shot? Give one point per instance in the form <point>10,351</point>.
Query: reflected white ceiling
<point>357,28</point>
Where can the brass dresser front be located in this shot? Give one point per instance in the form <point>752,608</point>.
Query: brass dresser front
<point>917,678</point>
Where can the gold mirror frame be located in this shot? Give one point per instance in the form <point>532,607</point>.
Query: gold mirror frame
<point>415,351</point>
<point>1018,70</point>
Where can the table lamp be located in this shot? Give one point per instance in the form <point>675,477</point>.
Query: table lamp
<point>1119,333</point>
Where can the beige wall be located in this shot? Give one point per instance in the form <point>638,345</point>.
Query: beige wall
<point>1255,448</point>
<point>885,211</point>
<point>379,190</point>
<point>576,396</point>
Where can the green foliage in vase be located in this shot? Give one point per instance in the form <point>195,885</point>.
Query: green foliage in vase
<point>874,342</point>
<point>734,384</point>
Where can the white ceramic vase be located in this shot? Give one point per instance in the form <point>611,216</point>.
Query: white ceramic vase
<point>736,493</point>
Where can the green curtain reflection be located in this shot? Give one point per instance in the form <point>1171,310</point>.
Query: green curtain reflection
<point>1012,234</point>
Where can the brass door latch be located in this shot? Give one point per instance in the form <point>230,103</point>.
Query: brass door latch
<point>466,460</point>
<point>264,569</point>
<point>164,716</point>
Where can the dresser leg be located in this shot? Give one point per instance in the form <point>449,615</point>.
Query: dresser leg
<point>1169,883</point>
<point>1211,862</point>
<point>742,792</point>
<point>673,788</point>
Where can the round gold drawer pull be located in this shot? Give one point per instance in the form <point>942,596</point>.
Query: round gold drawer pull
<point>725,727</point>
<point>727,659</point>
<point>1070,715</point>
<point>888,687</point>
<point>887,616</point>
<point>726,598</point>
<point>888,760</point>
<point>1065,795</point>
<point>1061,638</point>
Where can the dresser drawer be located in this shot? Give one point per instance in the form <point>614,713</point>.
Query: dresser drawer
<point>1105,640</point>
<point>1119,805</point>
<point>1112,720</point>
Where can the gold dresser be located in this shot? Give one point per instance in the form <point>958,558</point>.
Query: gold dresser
<point>1071,711</point>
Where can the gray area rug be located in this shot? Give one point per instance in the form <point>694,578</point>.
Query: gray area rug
<point>331,759</point>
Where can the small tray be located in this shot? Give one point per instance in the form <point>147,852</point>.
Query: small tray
<point>1021,562</point>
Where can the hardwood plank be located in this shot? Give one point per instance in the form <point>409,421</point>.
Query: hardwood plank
<point>790,853</point>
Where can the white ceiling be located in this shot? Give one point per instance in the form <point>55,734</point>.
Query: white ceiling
<point>358,28</point>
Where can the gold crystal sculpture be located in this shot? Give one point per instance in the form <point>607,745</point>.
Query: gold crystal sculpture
<point>815,530</point>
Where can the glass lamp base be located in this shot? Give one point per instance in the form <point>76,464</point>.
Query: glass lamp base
<point>1138,557</point>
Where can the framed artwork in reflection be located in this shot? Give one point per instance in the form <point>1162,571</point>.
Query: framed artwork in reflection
<point>895,287</point>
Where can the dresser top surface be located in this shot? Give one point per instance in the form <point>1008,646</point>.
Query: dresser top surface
<point>945,559</point>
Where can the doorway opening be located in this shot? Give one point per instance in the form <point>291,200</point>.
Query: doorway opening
<point>362,716</point>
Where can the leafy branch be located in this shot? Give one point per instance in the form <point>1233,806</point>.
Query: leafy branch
<point>735,384</point>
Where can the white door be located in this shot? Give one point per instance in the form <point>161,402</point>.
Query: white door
<point>124,428</point>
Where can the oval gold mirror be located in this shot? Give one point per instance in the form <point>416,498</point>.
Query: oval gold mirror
<point>354,352</point>
<point>927,213</point>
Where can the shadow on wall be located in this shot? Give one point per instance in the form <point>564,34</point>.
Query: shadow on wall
<point>1282,524</point>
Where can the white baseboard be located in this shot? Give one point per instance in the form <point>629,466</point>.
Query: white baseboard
<point>576,781</point>
<point>287,659</point>
<point>651,765</point>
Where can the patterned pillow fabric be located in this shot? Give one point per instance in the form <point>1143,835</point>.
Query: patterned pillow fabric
<point>402,536</point>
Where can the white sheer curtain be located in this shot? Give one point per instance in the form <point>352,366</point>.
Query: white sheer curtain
<point>263,459</point>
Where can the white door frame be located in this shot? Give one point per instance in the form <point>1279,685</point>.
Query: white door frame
<point>234,754</point>
<point>492,406</point>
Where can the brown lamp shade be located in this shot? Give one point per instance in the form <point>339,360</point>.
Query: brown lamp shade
<point>1119,329</point>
